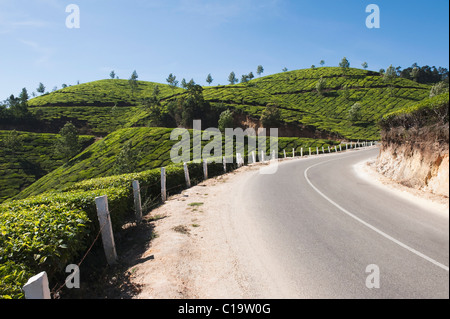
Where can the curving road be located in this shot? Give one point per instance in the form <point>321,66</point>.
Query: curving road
<point>315,227</point>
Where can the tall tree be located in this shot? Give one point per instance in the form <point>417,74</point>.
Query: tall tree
<point>67,145</point>
<point>232,78</point>
<point>320,86</point>
<point>156,91</point>
<point>23,97</point>
<point>184,83</point>
<point>133,81</point>
<point>12,142</point>
<point>127,160</point>
<point>322,62</point>
<point>345,89</point>
<point>112,75</point>
<point>415,72</point>
<point>355,112</point>
<point>172,80</point>
<point>41,88</point>
<point>271,116</point>
<point>226,120</point>
<point>259,70</point>
<point>344,65</point>
<point>209,79</point>
<point>389,76</point>
<point>365,65</point>
<point>191,83</point>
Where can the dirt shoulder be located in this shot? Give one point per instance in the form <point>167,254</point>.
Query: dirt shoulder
<point>191,256</point>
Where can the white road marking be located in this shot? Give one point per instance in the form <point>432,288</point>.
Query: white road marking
<point>446,268</point>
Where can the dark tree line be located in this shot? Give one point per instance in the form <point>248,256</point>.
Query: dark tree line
<point>424,74</point>
<point>15,107</point>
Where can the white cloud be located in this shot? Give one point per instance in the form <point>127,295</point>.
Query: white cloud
<point>43,54</point>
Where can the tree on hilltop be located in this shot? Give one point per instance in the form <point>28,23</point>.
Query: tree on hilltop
<point>260,70</point>
<point>209,79</point>
<point>41,88</point>
<point>133,81</point>
<point>232,78</point>
<point>344,65</point>
<point>172,80</point>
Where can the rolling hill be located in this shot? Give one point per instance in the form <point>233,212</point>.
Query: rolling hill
<point>111,108</point>
<point>103,106</point>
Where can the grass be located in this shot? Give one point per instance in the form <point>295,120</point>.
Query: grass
<point>181,229</point>
<point>195,204</point>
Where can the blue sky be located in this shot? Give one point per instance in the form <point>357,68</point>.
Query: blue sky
<point>191,38</point>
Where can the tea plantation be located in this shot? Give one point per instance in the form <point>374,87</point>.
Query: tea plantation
<point>149,146</point>
<point>32,158</point>
<point>48,214</point>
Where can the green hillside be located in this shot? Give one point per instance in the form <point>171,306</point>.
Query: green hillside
<point>150,146</point>
<point>112,107</point>
<point>296,95</point>
<point>103,93</point>
<point>99,107</point>
<point>31,158</point>
<point>91,105</point>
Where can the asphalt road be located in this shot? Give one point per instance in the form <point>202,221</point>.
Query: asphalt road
<point>316,226</point>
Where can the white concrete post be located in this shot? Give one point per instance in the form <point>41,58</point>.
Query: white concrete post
<point>137,201</point>
<point>224,161</point>
<point>293,153</point>
<point>317,149</point>
<point>329,151</point>
<point>262,157</point>
<point>254,157</point>
<point>284,151</point>
<point>273,155</point>
<point>37,287</point>
<point>163,185</point>
<point>323,150</point>
<point>186,175</point>
<point>104,219</point>
<point>310,151</point>
<point>205,169</point>
<point>340,147</point>
<point>335,148</point>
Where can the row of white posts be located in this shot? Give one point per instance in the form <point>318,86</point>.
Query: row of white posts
<point>37,287</point>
